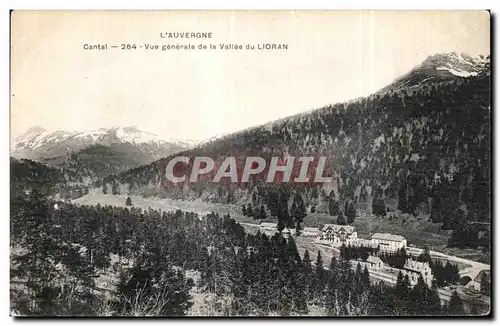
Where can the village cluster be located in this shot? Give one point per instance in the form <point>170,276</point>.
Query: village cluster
<point>335,236</point>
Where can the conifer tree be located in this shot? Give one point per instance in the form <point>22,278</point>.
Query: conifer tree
<point>319,279</point>
<point>485,284</point>
<point>308,275</point>
<point>378,205</point>
<point>114,188</point>
<point>403,197</point>
<point>333,207</point>
<point>249,210</point>
<point>341,219</point>
<point>262,213</point>
<point>350,211</point>
<point>331,290</point>
<point>455,306</point>
<point>300,208</point>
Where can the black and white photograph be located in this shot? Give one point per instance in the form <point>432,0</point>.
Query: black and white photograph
<point>272,163</point>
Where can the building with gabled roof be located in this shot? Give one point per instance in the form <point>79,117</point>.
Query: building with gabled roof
<point>285,233</point>
<point>389,242</point>
<point>422,268</point>
<point>374,262</point>
<point>339,234</point>
<point>268,228</point>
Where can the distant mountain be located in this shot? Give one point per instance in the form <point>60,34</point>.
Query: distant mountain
<point>440,68</point>
<point>94,153</point>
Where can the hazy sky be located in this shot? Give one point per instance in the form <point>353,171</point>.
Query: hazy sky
<point>331,57</point>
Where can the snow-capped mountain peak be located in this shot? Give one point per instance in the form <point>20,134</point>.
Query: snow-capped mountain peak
<point>37,136</point>
<point>135,136</point>
<point>441,67</point>
<point>38,142</point>
<point>458,64</point>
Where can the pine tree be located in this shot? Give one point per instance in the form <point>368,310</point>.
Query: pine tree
<point>298,281</point>
<point>128,202</point>
<point>333,207</point>
<point>308,275</point>
<point>114,188</point>
<point>262,213</point>
<point>244,210</point>
<point>293,210</point>
<point>341,219</point>
<point>238,286</point>
<point>319,279</point>
<point>249,210</point>
<point>378,205</point>
<point>485,284</point>
<point>346,278</point>
<point>366,278</point>
<point>403,197</point>
<point>350,211</point>
<point>283,214</point>
<point>363,195</point>
<point>425,256</point>
<point>436,208</point>
<point>331,294</point>
<point>434,302</point>
<point>300,212</point>
<point>333,204</point>
<point>358,289</point>
<point>272,202</point>
<point>455,306</point>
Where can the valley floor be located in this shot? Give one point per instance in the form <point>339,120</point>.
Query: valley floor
<point>417,230</point>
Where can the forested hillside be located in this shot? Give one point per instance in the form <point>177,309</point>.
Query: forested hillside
<point>424,149</point>
<point>110,261</point>
<point>97,161</point>
<point>26,175</point>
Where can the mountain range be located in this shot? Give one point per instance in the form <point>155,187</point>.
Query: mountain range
<point>95,153</point>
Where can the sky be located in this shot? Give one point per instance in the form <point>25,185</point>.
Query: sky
<point>332,56</point>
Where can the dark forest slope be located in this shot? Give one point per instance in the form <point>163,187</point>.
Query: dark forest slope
<point>422,149</point>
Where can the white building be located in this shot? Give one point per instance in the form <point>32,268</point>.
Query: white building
<point>338,234</point>
<point>389,242</point>
<point>311,231</point>
<point>268,228</point>
<point>374,263</point>
<point>285,233</point>
<point>360,242</point>
<point>421,268</point>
